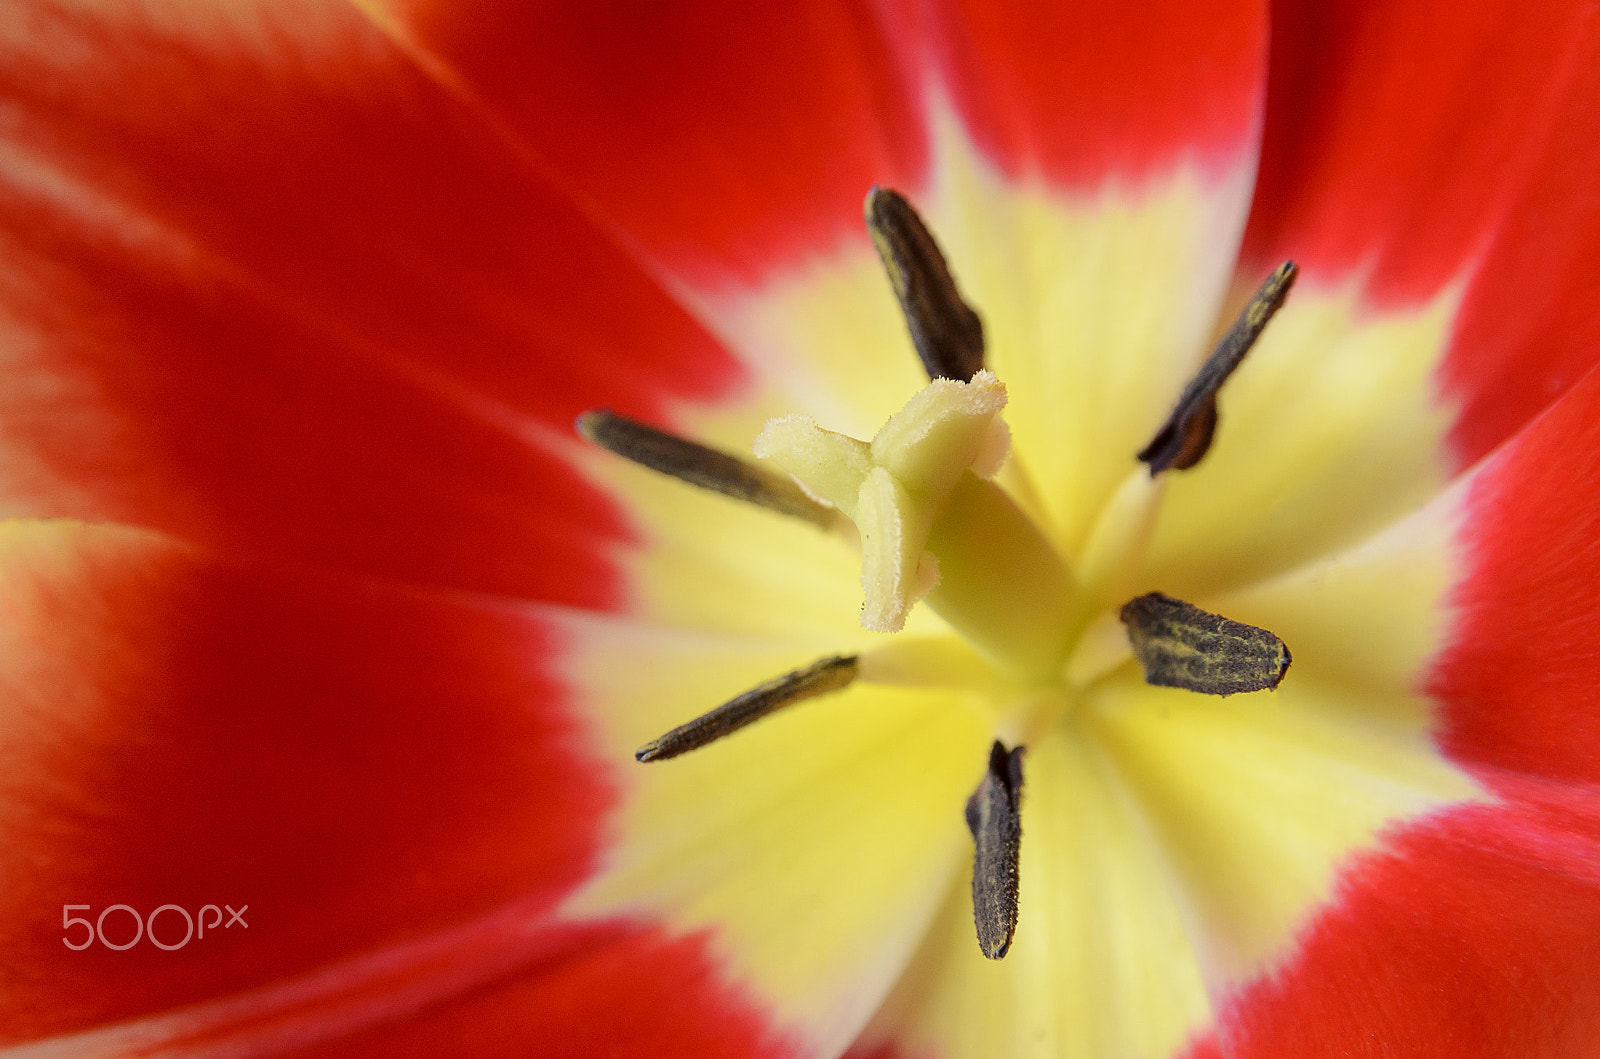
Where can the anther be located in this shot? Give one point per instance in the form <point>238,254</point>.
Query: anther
<point>702,466</point>
<point>1181,646</point>
<point>820,677</point>
<point>994,816</point>
<point>946,331</point>
<point>1187,433</point>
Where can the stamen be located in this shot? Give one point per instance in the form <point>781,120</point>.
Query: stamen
<point>948,334</point>
<point>818,678</point>
<point>1186,435</point>
<point>994,816</point>
<point>1181,646</point>
<point>700,465</point>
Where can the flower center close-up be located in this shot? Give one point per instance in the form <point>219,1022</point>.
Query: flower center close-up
<point>840,529</point>
<point>933,525</point>
<point>1052,592</point>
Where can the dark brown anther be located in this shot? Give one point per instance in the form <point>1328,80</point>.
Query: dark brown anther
<point>946,331</point>
<point>700,465</point>
<point>1181,646</point>
<point>994,816</point>
<point>818,678</point>
<point>1186,435</point>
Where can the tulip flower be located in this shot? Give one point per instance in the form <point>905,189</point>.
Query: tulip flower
<point>327,644</point>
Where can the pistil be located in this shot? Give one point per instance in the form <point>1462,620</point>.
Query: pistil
<point>932,525</point>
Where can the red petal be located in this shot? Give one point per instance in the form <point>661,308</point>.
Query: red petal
<point>1084,91</point>
<point>1517,686</point>
<point>1476,934</point>
<point>631,992</point>
<point>362,767</point>
<point>496,988</point>
<point>313,308</point>
<point>715,135</point>
<point>1207,1047</point>
<point>1412,144</point>
<point>728,139</point>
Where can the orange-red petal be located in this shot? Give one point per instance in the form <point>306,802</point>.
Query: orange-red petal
<point>1418,143</point>
<point>727,139</point>
<point>1517,687</point>
<point>389,780</point>
<point>1475,934</point>
<point>722,138</point>
<point>1083,92</point>
<point>268,284</point>
<point>629,991</point>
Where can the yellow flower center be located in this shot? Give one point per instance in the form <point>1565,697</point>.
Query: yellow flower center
<point>1174,842</point>
<point>931,524</point>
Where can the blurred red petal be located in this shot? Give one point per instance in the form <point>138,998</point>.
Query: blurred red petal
<point>721,137</point>
<point>270,285</point>
<point>492,987</point>
<point>1473,935</point>
<point>364,767</point>
<point>1084,92</point>
<point>1207,1047</point>
<point>1416,143</point>
<point>727,138</point>
<point>629,992</point>
<point>1516,686</point>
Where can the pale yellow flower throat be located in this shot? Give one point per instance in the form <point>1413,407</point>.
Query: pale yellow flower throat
<point>934,527</point>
